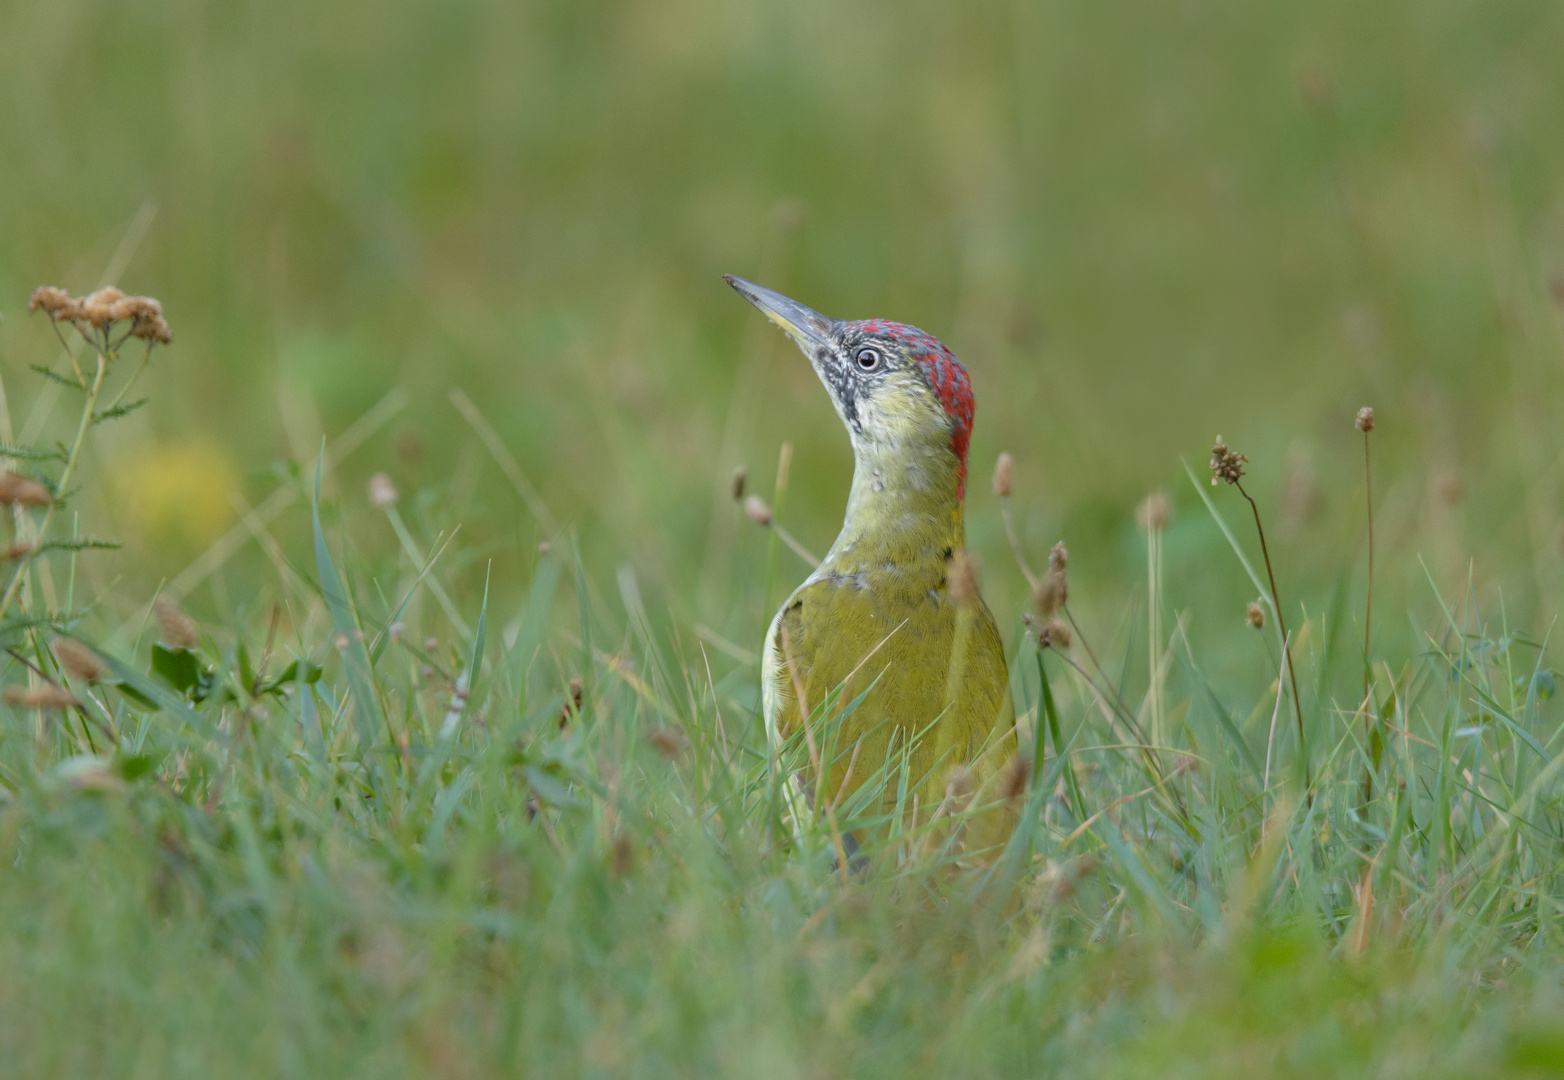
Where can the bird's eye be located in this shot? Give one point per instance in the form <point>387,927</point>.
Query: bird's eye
<point>868,359</point>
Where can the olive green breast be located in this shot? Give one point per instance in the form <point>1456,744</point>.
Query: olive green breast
<point>891,631</point>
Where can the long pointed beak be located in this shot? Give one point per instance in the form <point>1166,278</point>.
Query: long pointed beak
<point>807,327</point>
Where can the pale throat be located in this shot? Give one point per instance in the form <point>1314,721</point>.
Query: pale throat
<point>904,507</point>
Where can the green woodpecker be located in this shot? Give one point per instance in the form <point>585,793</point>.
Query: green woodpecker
<point>893,608</point>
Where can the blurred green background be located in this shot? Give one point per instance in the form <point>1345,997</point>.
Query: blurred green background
<point>1138,224</point>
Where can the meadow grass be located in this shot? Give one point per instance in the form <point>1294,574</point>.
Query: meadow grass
<point>376,826</point>
<point>404,793</point>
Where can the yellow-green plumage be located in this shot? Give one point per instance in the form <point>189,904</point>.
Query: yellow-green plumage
<point>878,615</point>
<point>894,628</point>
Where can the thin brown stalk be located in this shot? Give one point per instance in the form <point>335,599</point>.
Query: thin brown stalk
<point>1368,604</point>
<point>1281,621</point>
<point>1015,544</point>
<point>1112,694</point>
<point>1153,766</point>
<point>1368,613</point>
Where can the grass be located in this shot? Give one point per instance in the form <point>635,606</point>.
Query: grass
<point>534,830</point>
<point>318,841</point>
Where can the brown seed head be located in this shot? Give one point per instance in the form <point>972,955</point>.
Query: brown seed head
<point>47,696</point>
<point>1365,420</point>
<point>51,300</point>
<point>1254,615</point>
<point>177,629</point>
<point>621,855</point>
<point>758,511</point>
<point>1013,783</point>
<point>20,491</point>
<point>668,740</point>
<point>382,492</point>
<point>959,783</point>
<point>136,307</point>
<point>1154,512</point>
<point>736,486</point>
<point>1053,592</point>
<point>17,549</point>
<point>78,659</point>
<point>961,578</point>
<point>1055,634</point>
<point>98,307</point>
<point>1050,593</point>
<point>1226,464</point>
<point>572,704</point>
<point>1004,475</point>
<point>152,328</point>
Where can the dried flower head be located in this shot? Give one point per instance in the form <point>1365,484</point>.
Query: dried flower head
<point>20,491</point>
<point>1254,615</point>
<point>152,328</point>
<point>177,629</point>
<point>131,308</point>
<point>98,307</point>
<point>1013,781</point>
<point>572,704</point>
<point>1054,634</point>
<point>52,301</point>
<point>961,577</point>
<point>668,740</point>
<point>621,855</point>
<point>78,659</point>
<point>1058,557</point>
<point>104,308</point>
<point>46,696</point>
<point>757,510</point>
<point>1154,512</point>
<point>1365,420</point>
<point>1004,475</point>
<point>1226,464</point>
<point>382,492</point>
<point>17,548</point>
<point>1053,591</point>
<point>736,486</point>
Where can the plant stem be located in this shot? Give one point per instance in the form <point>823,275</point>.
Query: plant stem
<point>1154,669</point>
<point>1015,543</point>
<point>24,563</point>
<point>1368,604</point>
<point>1368,614</point>
<point>1281,622</point>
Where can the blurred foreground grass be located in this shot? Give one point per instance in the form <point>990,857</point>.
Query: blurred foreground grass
<point>1138,225</point>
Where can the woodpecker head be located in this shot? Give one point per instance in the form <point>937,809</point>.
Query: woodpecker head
<point>898,389</point>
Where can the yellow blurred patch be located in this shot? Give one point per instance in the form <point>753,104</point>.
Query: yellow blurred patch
<point>177,492</point>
